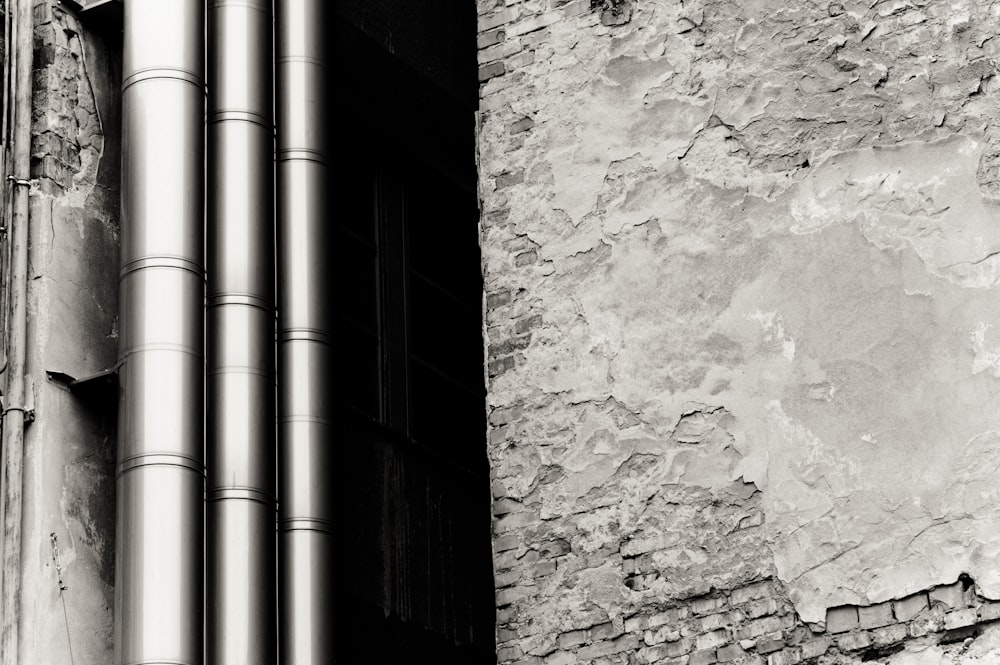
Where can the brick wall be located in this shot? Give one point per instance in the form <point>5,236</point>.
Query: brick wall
<point>67,132</point>
<point>719,241</point>
<point>756,624</point>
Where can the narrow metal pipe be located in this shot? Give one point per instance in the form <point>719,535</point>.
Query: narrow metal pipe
<point>240,452</point>
<point>305,538</point>
<point>160,528</point>
<point>17,337</point>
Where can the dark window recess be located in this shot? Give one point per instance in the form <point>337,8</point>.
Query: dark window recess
<point>355,298</point>
<point>411,478</point>
<point>408,307</point>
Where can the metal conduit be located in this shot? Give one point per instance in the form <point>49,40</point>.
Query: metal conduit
<point>240,452</point>
<point>160,534</point>
<point>11,482</point>
<point>305,539</point>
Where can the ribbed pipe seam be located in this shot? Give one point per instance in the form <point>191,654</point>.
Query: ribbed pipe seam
<point>240,502</point>
<point>305,527</point>
<point>160,527</point>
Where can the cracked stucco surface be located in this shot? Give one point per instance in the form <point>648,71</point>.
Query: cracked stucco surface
<point>786,213</point>
<point>69,480</point>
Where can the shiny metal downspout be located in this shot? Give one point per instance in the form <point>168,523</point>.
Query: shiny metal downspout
<point>240,453</point>
<point>305,539</point>
<point>16,393</point>
<point>160,528</point>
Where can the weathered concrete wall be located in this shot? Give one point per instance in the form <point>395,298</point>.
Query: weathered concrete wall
<point>742,264</point>
<point>69,482</point>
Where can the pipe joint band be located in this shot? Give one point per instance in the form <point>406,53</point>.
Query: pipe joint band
<point>168,73</point>
<point>294,58</point>
<point>235,493</point>
<point>241,115</point>
<point>186,349</point>
<point>160,662</point>
<point>241,370</point>
<point>238,299</point>
<point>304,418</point>
<point>288,524</point>
<point>304,335</point>
<point>176,460</point>
<point>162,261</point>
<point>302,155</point>
<point>259,5</point>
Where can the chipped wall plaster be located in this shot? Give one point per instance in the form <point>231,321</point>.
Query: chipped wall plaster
<point>69,477</point>
<point>785,212</point>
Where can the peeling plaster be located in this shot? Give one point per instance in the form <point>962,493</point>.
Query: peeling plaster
<point>72,303</point>
<point>788,213</point>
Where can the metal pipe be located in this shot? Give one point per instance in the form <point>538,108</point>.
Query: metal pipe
<point>17,292</point>
<point>305,538</point>
<point>160,527</point>
<point>240,452</point>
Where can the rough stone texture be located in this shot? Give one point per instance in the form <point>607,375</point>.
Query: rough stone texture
<point>907,608</point>
<point>875,616</point>
<point>69,480</point>
<point>741,264</point>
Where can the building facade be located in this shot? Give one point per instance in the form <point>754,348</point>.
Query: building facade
<point>636,332</point>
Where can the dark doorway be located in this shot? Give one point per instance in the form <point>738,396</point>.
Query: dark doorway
<point>412,478</point>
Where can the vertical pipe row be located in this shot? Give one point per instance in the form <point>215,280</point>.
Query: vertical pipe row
<point>305,538</point>
<point>159,566</point>
<point>160,534</point>
<point>240,446</point>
